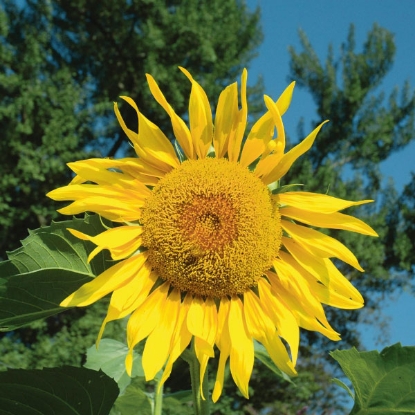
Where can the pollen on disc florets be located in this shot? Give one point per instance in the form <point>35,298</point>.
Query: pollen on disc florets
<point>211,228</point>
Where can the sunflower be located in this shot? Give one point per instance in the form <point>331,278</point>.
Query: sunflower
<point>210,248</point>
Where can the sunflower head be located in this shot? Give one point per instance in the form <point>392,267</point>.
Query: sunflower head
<point>201,223</point>
<point>205,250</point>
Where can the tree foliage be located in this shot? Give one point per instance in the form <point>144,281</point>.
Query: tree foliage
<point>42,122</point>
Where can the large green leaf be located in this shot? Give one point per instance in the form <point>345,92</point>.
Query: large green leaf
<point>64,391</point>
<point>134,400</point>
<point>384,382</point>
<point>49,266</point>
<point>110,358</point>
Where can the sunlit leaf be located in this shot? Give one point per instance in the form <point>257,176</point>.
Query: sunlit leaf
<point>384,383</point>
<point>134,400</point>
<point>110,358</point>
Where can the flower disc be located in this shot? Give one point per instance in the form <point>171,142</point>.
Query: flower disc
<point>211,228</point>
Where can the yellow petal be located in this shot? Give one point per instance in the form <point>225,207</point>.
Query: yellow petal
<point>89,170</point>
<point>202,323</point>
<point>155,144</point>
<point>336,291</point>
<point>262,131</point>
<point>225,119</point>
<point>289,158</point>
<point>276,116</point>
<point>144,320</point>
<point>342,286</point>
<point>242,347</point>
<point>257,140</point>
<point>127,237</point>
<point>299,290</point>
<point>97,171</point>
<point>314,265</point>
<point>284,100</point>
<point>100,199</point>
<point>334,220</point>
<point>80,191</point>
<point>261,328</point>
<point>235,140</point>
<point>108,281</point>
<point>130,296</point>
<point>200,117</point>
<point>103,206</point>
<point>159,342</point>
<point>181,338</point>
<point>133,136</point>
<point>282,317</point>
<point>223,341</point>
<point>180,129</point>
<point>267,163</point>
<point>257,322</point>
<point>316,202</point>
<point>150,143</point>
<point>308,311</point>
<point>319,244</point>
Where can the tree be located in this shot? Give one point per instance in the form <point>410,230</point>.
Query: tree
<point>43,124</point>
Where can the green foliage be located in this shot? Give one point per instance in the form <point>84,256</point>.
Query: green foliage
<point>49,266</point>
<point>43,122</point>
<point>133,400</point>
<point>212,39</point>
<point>406,225</point>
<point>383,382</point>
<point>65,391</point>
<point>110,358</point>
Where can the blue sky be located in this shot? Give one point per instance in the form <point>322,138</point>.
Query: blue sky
<point>325,22</point>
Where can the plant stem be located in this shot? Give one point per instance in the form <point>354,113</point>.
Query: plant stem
<point>158,399</point>
<point>201,406</point>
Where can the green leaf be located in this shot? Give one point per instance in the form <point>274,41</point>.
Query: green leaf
<point>384,382</point>
<point>110,358</point>
<point>344,386</point>
<point>262,355</point>
<point>184,396</point>
<point>50,265</point>
<point>134,400</point>
<point>64,391</point>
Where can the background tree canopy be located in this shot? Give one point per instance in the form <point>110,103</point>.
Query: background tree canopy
<point>63,63</point>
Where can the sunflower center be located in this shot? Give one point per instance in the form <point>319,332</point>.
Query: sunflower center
<point>211,228</point>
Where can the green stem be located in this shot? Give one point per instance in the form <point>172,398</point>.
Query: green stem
<point>201,405</point>
<point>158,399</point>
